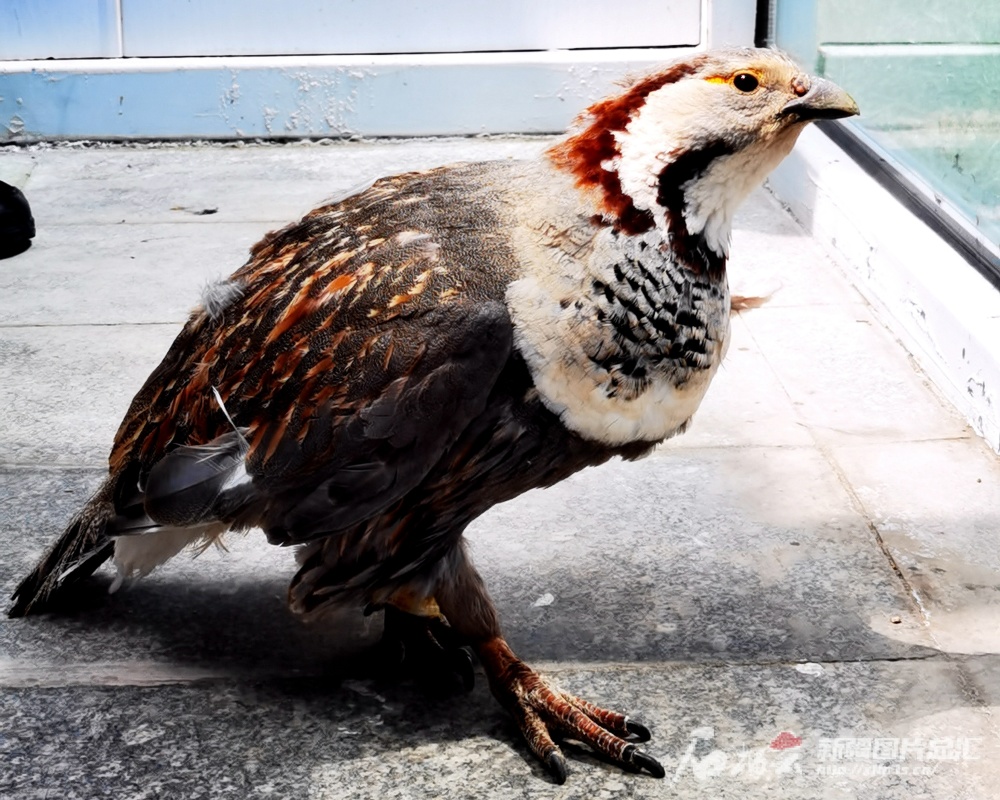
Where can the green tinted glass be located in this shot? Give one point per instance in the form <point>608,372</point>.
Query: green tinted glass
<point>926,74</point>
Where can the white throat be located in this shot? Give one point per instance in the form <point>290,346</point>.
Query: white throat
<point>713,197</point>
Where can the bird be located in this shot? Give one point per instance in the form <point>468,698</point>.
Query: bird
<point>384,370</point>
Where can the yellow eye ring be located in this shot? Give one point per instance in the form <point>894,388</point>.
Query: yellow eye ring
<point>745,82</point>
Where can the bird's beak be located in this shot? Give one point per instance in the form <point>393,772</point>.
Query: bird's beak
<point>824,100</point>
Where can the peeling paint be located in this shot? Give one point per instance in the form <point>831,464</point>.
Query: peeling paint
<point>978,389</point>
<point>269,116</point>
<point>232,94</point>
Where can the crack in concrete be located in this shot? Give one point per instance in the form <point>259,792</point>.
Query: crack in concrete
<point>855,499</point>
<point>17,674</point>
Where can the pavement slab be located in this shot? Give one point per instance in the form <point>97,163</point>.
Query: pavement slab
<point>935,508</point>
<point>65,388</point>
<point>849,379</point>
<point>211,184</point>
<point>858,730</point>
<point>130,274</point>
<point>799,596</point>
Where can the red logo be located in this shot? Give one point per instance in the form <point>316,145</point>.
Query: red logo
<point>785,741</point>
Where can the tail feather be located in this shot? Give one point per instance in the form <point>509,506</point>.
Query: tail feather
<point>188,495</point>
<point>83,547</point>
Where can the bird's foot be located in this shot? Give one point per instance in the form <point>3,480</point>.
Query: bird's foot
<point>541,710</point>
<point>427,649</point>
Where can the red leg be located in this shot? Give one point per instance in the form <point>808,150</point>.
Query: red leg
<point>538,708</point>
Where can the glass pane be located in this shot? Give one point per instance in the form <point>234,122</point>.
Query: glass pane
<point>926,74</point>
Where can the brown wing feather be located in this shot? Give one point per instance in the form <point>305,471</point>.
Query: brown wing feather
<point>350,351</point>
<point>358,348</point>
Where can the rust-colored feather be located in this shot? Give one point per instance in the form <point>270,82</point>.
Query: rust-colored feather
<point>586,152</point>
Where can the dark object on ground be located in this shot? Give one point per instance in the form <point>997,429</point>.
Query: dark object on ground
<point>17,226</point>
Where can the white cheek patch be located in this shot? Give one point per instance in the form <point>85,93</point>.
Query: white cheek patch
<point>658,131</point>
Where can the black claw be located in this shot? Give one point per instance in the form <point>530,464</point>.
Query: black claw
<point>556,765</point>
<point>461,660</point>
<point>648,763</point>
<point>638,730</point>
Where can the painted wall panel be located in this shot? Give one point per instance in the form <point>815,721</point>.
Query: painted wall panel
<point>59,29</point>
<point>320,96</point>
<point>537,86</point>
<point>305,27</point>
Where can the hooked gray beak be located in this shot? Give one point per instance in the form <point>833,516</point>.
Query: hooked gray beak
<point>823,100</point>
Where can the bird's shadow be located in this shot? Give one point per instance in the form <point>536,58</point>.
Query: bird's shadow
<point>330,670</point>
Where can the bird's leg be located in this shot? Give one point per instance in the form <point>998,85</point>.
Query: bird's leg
<point>540,709</point>
<point>417,636</point>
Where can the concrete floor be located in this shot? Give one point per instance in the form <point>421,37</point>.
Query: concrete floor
<point>800,597</point>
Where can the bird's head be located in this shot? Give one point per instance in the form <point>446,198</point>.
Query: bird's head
<point>681,148</point>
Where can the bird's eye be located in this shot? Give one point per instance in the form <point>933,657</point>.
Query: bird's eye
<point>746,82</point>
